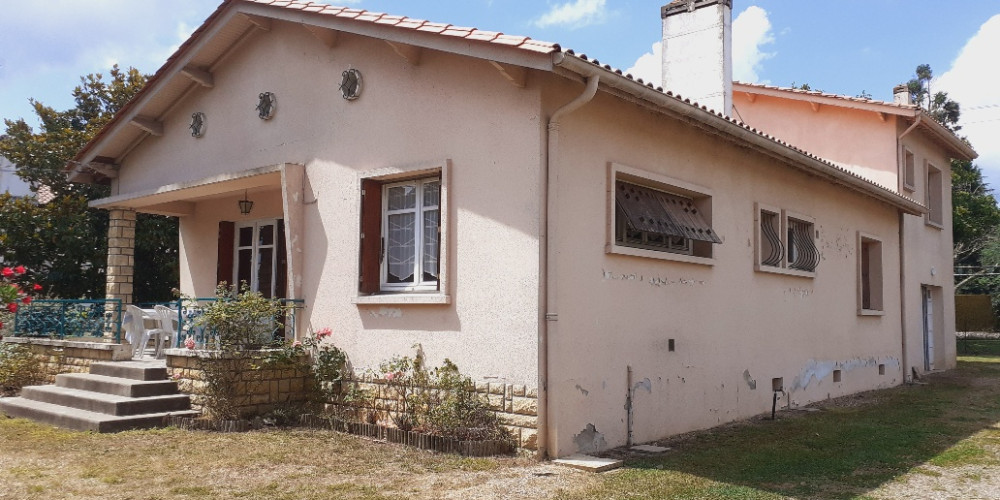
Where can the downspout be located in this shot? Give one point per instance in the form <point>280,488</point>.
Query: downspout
<point>549,255</point>
<point>902,267</point>
<point>902,296</point>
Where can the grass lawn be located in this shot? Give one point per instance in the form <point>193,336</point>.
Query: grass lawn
<point>939,440</point>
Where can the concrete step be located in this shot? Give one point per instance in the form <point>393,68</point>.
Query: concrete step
<point>135,370</point>
<point>83,420</point>
<point>109,404</point>
<point>115,385</point>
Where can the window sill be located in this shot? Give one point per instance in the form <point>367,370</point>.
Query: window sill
<point>935,225</point>
<point>870,312</point>
<point>785,272</point>
<point>653,254</point>
<point>402,298</point>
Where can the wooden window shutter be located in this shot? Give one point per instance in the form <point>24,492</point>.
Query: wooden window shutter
<point>371,236</point>
<point>281,280</point>
<point>227,235</point>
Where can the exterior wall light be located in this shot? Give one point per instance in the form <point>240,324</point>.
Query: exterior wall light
<point>245,205</point>
<point>266,105</point>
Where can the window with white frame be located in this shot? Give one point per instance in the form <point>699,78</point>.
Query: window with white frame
<point>909,171</point>
<point>786,242</point>
<point>401,235</point>
<point>410,231</point>
<point>935,196</point>
<point>869,275</point>
<point>651,218</point>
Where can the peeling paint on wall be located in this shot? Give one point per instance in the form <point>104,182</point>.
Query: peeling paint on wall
<point>643,384</point>
<point>749,380</point>
<point>387,312</point>
<point>583,391</point>
<point>799,293</point>
<point>819,370</point>
<point>656,281</point>
<point>589,440</point>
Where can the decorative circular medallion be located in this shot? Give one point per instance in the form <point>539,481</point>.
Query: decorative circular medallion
<point>197,124</point>
<point>350,86</point>
<point>266,105</point>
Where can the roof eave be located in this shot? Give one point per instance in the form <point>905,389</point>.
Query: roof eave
<point>729,127</point>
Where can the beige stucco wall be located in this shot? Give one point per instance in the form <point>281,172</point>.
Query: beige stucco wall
<point>860,141</point>
<point>865,143</point>
<point>734,328</point>
<point>448,110</point>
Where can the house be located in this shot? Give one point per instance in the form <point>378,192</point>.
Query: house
<point>621,263</point>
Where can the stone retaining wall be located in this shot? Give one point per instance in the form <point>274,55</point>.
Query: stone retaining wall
<point>259,390</point>
<point>71,356</point>
<point>516,404</point>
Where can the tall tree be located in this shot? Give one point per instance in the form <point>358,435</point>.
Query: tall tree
<point>945,110</point>
<point>975,228</point>
<point>64,241</point>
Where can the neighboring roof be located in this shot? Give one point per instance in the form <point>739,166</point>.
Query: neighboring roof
<point>958,147</point>
<point>235,19</point>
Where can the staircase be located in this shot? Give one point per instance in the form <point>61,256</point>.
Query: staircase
<point>114,396</point>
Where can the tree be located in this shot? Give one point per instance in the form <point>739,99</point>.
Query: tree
<point>975,227</point>
<point>63,242</point>
<point>946,111</point>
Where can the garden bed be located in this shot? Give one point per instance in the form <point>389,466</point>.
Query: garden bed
<point>419,440</point>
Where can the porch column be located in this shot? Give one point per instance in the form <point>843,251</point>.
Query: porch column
<point>121,254</point>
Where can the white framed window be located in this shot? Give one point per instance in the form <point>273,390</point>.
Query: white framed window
<point>411,218</point>
<point>870,283</point>
<point>935,196</point>
<point>256,252</point>
<point>908,171</point>
<point>403,235</point>
<point>650,215</point>
<point>786,242</point>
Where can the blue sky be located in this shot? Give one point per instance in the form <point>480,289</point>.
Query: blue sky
<point>843,46</point>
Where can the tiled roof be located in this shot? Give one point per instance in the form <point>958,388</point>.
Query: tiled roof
<point>473,34</point>
<point>753,130</point>
<point>816,93</point>
<point>403,22</point>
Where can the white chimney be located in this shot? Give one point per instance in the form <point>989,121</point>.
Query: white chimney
<point>698,51</point>
<point>901,94</point>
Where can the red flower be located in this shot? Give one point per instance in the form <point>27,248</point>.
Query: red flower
<point>19,269</point>
<point>12,307</point>
<point>36,287</point>
<point>7,272</point>
<point>26,300</point>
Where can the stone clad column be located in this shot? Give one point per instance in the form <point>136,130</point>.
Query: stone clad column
<point>121,254</point>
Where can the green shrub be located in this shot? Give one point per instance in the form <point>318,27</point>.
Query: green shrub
<point>439,401</point>
<point>18,367</point>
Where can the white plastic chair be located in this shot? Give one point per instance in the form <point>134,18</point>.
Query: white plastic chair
<point>135,330</point>
<point>167,318</point>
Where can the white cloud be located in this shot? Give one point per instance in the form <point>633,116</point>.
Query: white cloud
<point>971,81</point>
<point>575,14</point>
<point>751,31</point>
<point>649,66</point>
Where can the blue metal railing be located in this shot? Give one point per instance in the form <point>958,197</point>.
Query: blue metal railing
<point>189,310</point>
<point>61,318</point>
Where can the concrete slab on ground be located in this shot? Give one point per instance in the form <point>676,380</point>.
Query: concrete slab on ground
<point>589,463</point>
